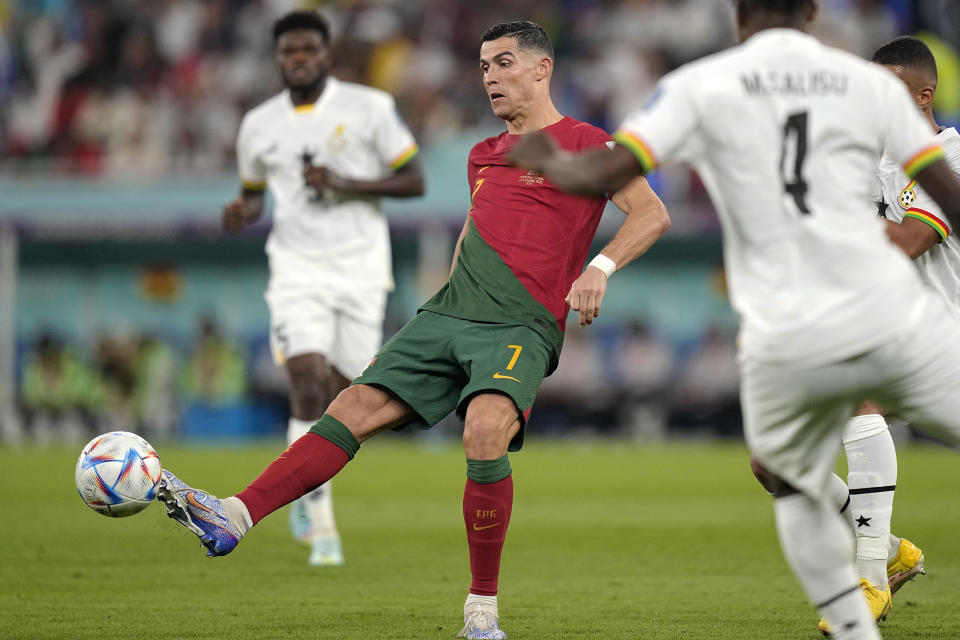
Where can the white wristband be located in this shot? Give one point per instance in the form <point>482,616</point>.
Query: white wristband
<point>604,263</point>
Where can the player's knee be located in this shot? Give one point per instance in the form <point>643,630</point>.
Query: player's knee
<point>367,410</point>
<point>485,438</point>
<point>357,399</point>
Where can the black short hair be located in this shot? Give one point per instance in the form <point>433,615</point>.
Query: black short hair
<point>907,51</point>
<point>302,20</point>
<point>529,35</point>
<point>787,7</point>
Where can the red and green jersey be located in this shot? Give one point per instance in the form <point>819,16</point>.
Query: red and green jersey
<point>526,240</point>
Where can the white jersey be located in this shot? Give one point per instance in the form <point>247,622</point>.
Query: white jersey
<point>901,197</point>
<point>785,133</point>
<point>325,239</point>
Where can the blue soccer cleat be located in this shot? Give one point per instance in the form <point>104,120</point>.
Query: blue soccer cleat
<point>200,512</point>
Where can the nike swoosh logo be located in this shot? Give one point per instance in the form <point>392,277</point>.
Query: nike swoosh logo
<point>218,523</point>
<point>193,501</point>
<point>497,376</point>
<point>486,526</point>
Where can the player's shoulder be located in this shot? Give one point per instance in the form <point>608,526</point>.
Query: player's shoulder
<point>840,56</point>
<point>774,48</point>
<point>576,135</point>
<point>707,75</point>
<point>707,64</point>
<point>357,94</point>
<point>581,128</point>
<point>265,112</point>
<point>484,150</point>
<point>863,72</point>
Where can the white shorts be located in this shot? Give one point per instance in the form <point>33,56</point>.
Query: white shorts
<point>794,415</point>
<point>345,327</point>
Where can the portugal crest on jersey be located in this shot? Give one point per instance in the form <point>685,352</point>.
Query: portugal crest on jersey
<point>909,195</point>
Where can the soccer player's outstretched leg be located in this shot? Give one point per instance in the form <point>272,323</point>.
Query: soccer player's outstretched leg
<point>484,343</point>
<point>308,463</point>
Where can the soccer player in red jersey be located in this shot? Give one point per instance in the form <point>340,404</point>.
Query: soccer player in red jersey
<point>482,345</point>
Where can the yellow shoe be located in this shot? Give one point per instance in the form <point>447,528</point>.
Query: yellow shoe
<point>878,601</point>
<point>906,566</point>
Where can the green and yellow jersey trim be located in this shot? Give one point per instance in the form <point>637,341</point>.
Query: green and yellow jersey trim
<point>925,216</point>
<point>648,161</point>
<point>922,160</point>
<point>253,185</point>
<point>405,157</point>
<point>304,108</point>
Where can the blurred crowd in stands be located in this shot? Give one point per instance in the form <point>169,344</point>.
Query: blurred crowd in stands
<point>155,88</point>
<point>627,382</point>
<point>128,382</point>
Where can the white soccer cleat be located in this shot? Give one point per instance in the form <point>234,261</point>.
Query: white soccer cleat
<point>300,523</point>
<point>326,552</point>
<point>481,623</point>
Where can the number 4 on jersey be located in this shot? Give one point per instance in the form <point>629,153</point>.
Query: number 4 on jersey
<point>792,155</point>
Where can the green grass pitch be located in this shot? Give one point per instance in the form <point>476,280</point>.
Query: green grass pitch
<point>607,540</point>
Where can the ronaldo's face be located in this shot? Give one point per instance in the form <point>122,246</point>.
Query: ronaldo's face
<point>303,58</point>
<point>509,76</point>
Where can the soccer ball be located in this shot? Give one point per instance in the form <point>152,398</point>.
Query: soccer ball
<point>118,474</point>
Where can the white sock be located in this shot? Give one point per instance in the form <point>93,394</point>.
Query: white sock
<point>818,547</point>
<point>872,476</point>
<point>297,428</point>
<point>318,504</point>
<point>237,514</point>
<point>487,602</point>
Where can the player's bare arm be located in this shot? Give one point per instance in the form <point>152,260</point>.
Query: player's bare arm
<point>912,235</point>
<point>243,210</point>
<point>646,221</point>
<point>939,181</point>
<point>591,173</point>
<point>405,182</point>
<point>456,247</point>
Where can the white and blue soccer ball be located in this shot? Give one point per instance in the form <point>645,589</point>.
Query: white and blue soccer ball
<point>118,474</point>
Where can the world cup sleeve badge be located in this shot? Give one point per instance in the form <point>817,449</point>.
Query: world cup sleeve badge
<point>909,195</point>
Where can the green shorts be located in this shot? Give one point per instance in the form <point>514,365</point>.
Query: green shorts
<point>436,363</point>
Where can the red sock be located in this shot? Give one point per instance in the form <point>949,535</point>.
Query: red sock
<point>304,466</point>
<point>486,512</point>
